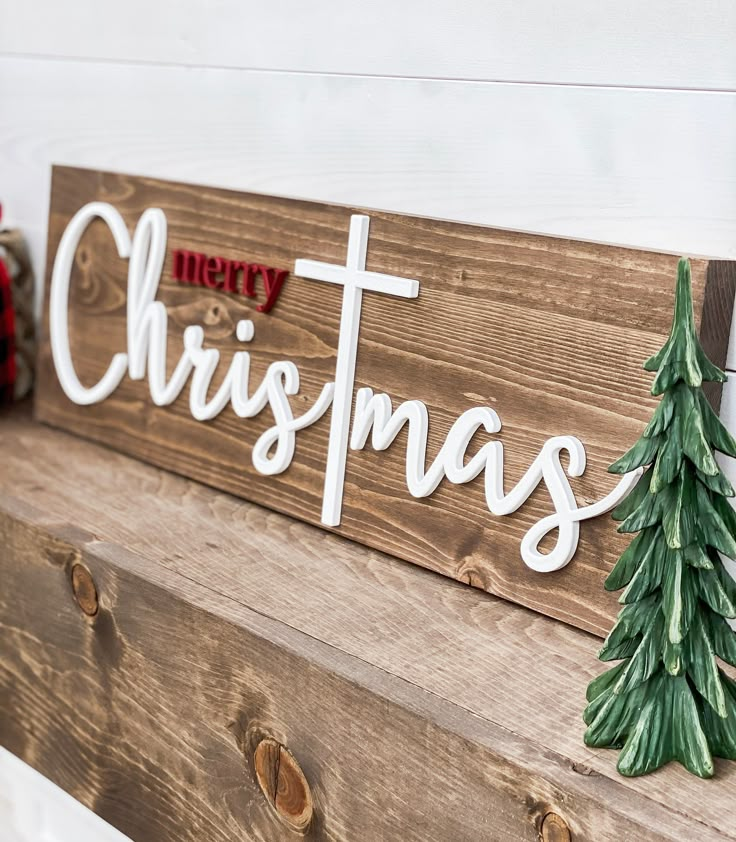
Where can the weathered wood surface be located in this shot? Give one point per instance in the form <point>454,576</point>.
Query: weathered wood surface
<point>549,332</point>
<point>417,708</point>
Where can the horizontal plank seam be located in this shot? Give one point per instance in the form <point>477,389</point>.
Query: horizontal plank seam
<point>592,753</point>
<point>320,642</point>
<point>463,80</point>
<point>443,700</point>
<point>447,721</point>
<point>359,207</point>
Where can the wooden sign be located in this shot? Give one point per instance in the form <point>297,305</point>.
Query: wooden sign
<point>447,393</point>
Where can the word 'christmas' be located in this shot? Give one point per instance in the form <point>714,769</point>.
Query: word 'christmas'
<point>374,417</point>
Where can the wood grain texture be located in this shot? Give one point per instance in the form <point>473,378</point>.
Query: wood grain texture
<point>658,43</point>
<point>643,168</point>
<point>490,661</point>
<point>550,333</point>
<point>717,322</point>
<point>150,715</point>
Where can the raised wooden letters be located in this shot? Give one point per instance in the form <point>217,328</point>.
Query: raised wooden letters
<point>450,394</point>
<point>192,267</point>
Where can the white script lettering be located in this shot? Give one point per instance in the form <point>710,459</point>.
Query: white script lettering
<point>273,452</point>
<point>147,323</point>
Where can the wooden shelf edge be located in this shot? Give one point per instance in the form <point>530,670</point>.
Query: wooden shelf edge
<point>508,784</point>
<point>148,710</point>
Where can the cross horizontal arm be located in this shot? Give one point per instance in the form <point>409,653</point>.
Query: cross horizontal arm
<point>374,281</point>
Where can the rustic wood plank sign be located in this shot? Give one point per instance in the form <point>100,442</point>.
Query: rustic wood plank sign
<point>447,393</point>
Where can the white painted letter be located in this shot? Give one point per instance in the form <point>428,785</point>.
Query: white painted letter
<point>59,305</point>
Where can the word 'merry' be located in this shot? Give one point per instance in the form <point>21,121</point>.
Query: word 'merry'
<point>193,267</point>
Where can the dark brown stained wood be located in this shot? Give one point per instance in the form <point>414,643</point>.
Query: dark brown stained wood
<point>551,333</point>
<point>417,708</point>
<point>720,292</point>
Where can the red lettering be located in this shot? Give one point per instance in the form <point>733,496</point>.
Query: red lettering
<point>250,270</point>
<point>230,282</point>
<point>193,267</point>
<point>212,268</point>
<point>188,266</point>
<point>273,280</point>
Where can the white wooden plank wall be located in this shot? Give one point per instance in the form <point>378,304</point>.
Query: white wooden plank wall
<point>32,809</point>
<point>613,121</point>
<point>657,43</point>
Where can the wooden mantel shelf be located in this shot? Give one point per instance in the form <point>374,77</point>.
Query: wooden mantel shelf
<point>418,709</point>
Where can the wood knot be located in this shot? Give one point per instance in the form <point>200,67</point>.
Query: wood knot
<point>283,783</point>
<point>84,590</point>
<point>554,829</point>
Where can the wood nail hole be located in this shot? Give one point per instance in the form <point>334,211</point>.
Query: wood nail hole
<point>554,829</point>
<point>283,784</point>
<point>84,590</point>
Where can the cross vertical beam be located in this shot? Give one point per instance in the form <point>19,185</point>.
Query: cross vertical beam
<point>354,279</point>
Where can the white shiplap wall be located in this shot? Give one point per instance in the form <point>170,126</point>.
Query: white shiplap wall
<point>613,121</point>
<point>660,43</point>
<point>32,809</point>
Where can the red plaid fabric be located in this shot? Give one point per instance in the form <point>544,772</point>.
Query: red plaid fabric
<point>7,338</point>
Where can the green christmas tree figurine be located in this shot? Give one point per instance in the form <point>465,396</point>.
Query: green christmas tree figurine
<point>668,699</point>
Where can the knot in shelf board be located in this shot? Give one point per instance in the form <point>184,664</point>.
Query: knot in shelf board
<point>84,590</point>
<point>417,709</point>
<point>283,784</point>
<point>554,829</point>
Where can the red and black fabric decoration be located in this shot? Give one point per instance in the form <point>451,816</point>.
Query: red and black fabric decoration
<point>17,323</point>
<point>7,338</point>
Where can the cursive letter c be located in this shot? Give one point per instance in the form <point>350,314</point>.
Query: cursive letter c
<point>59,305</point>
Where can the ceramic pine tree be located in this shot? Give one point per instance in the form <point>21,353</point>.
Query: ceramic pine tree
<point>668,699</point>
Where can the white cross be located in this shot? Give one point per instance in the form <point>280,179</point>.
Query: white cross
<point>354,279</point>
